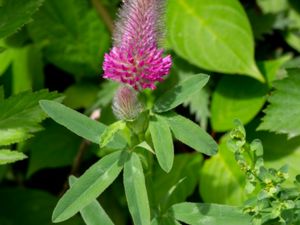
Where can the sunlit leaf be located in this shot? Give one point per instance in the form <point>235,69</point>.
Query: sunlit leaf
<point>236,98</point>
<point>223,42</point>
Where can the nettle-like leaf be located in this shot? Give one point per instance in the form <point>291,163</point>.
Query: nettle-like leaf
<point>82,38</point>
<point>283,113</point>
<point>223,42</point>
<point>8,156</point>
<point>15,13</point>
<point>21,114</point>
<point>199,105</point>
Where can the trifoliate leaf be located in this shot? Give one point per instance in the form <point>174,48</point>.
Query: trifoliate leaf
<point>15,13</point>
<point>283,113</point>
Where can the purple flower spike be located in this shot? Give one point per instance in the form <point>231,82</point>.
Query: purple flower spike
<point>135,58</point>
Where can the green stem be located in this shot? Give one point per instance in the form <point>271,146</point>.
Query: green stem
<point>104,15</point>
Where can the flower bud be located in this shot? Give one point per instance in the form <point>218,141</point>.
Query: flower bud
<point>126,105</point>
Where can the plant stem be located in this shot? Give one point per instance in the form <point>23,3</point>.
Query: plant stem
<point>103,13</point>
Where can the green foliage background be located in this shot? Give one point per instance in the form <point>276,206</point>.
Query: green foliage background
<point>53,50</point>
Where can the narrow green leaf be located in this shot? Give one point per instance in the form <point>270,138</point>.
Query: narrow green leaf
<point>222,42</point>
<point>180,93</point>
<point>109,133</point>
<point>89,186</point>
<point>8,156</point>
<point>191,134</point>
<point>162,141</point>
<point>243,100</point>
<point>78,123</point>
<point>93,214</point>
<point>136,191</point>
<point>209,214</point>
<point>15,13</point>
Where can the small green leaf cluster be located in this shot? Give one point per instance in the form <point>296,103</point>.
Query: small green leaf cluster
<point>273,202</point>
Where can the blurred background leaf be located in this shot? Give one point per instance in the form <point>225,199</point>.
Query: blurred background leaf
<point>75,39</point>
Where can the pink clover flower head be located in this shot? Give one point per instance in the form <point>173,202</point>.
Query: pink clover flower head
<point>135,58</point>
